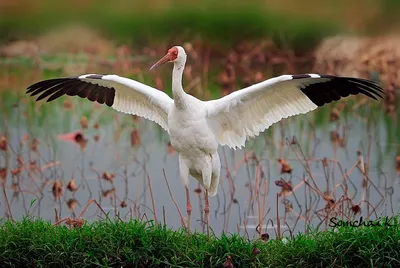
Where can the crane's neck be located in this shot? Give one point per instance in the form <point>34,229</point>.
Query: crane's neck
<point>177,89</point>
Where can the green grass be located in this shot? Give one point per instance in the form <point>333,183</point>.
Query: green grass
<point>37,243</point>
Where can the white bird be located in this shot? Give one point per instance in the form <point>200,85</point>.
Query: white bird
<point>196,127</point>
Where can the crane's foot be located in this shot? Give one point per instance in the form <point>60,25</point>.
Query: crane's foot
<point>188,210</point>
<point>207,212</point>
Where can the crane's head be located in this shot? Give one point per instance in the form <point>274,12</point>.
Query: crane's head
<point>175,54</point>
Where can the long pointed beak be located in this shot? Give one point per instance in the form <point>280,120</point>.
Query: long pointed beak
<point>163,60</point>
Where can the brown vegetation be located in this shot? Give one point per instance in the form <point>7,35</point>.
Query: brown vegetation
<point>363,57</point>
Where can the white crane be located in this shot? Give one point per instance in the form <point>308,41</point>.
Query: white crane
<point>196,127</point>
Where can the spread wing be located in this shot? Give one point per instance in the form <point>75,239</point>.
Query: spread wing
<point>122,94</point>
<point>247,112</point>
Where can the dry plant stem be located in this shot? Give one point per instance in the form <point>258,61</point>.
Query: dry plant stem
<point>136,207</point>
<point>250,207</point>
<point>240,163</point>
<point>201,211</point>
<point>152,200</point>
<point>376,188</point>
<point>87,205</point>
<point>278,221</point>
<point>345,175</point>
<point>222,186</point>
<point>207,212</point>
<point>361,165</point>
<point>115,202</point>
<point>57,219</point>
<point>257,193</point>
<point>367,168</point>
<point>307,206</point>
<point>188,209</point>
<point>282,141</point>
<point>8,203</point>
<point>231,191</point>
<point>373,208</point>
<point>173,199</point>
<point>317,190</point>
<point>264,201</point>
<point>305,163</point>
<point>164,216</point>
<point>253,193</point>
<point>245,229</point>
<point>83,211</point>
<point>49,165</point>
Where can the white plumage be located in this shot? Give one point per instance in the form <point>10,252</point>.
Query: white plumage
<point>143,101</point>
<point>196,127</point>
<point>247,112</point>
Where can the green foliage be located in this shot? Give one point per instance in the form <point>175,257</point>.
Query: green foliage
<point>38,243</point>
<point>217,24</point>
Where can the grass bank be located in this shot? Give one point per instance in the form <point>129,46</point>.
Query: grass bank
<point>37,243</point>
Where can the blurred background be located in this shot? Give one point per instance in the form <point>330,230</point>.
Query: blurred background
<point>342,160</point>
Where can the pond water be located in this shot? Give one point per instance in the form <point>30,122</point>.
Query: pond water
<point>248,191</point>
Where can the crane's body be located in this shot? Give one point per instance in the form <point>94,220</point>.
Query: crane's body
<point>191,136</point>
<point>195,143</point>
<point>196,128</point>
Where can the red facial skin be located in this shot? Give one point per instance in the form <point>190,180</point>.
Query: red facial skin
<point>171,56</point>
<point>173,53</point>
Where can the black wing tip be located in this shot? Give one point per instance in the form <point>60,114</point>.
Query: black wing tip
<point>367,87</point>
<point>47,82</point>
<point>73,86</point>
<point>325,91</point>
<point>365,84</point>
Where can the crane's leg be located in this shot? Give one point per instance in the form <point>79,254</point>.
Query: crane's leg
<point>184,173</point>
<point>207,172</point>
<point>207,212</point>
<point>188,209</point>
<point>210,192</point>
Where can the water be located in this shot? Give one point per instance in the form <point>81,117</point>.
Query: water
<point>235,209</point>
